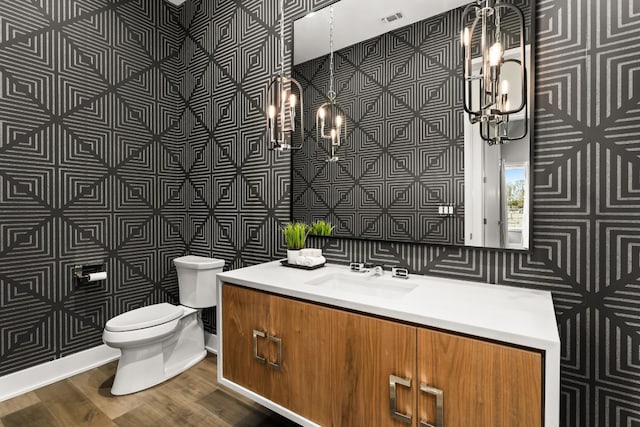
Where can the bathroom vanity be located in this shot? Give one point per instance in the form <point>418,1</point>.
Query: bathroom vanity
<point>331,347</point>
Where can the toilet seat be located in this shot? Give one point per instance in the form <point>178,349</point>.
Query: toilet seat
<point>144,317</point>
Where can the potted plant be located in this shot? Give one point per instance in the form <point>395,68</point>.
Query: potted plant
<point>321,228</point>
<point>295,236</point>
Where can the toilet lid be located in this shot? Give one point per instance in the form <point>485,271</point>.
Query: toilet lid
<point>194,262</point>
<point>144,317</point>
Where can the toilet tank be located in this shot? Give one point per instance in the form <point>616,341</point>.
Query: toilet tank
<point>197,280</point>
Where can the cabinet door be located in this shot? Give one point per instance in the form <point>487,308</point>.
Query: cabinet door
<point>244,363</point>
<point>366,352</point>
<point>301,382</point>
<point>483,384</point>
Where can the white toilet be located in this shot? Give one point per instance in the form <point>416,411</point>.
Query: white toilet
<point>160,341</point>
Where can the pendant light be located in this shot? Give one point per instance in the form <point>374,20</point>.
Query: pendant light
<point>284,106</point>
<point>331,123</point>
<point>488,103</point>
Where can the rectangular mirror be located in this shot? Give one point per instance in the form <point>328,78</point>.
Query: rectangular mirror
<point>411,168</point>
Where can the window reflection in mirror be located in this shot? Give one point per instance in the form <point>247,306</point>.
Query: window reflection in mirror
<point>516,185</point>
<point>497,195</point>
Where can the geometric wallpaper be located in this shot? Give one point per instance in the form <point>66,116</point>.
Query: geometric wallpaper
<point>93,169</point>
<point>132,133</point>
<point>401,93</point>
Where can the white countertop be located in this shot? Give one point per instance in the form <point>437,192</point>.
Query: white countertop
<point>519,316</point>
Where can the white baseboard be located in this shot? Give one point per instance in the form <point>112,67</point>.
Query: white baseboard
<point>29,379</point>
<point>211,342</point>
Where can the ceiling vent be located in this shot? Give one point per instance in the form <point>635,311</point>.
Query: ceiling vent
<point>391,18</point>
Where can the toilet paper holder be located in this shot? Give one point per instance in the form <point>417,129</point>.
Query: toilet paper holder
<point>83,274</point>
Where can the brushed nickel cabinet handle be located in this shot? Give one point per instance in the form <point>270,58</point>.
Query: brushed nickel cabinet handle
<point>278,341</point>
<point>393,382</point>
<point>439,405</point>
<point>257,334</point>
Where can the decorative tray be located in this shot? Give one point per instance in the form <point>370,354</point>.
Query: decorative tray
<point>302,267</point>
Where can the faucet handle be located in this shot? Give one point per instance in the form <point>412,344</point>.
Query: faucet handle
<point>358,267</point>
<point>400,273</point>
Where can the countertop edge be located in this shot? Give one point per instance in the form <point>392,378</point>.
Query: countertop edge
<point>338,301</point>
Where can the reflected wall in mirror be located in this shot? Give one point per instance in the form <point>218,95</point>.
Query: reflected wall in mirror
<point>403,158</point>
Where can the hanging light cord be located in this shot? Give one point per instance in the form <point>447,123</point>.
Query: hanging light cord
<point>282,38</point>
<point>331,94</point>
<point>497,22</point>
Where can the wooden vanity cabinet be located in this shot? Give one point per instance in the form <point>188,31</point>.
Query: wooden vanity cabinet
<point>483,384</point>
<point>278,348</point>
<point>365,351</point>
<point>302,384</point>
<point>243,312</point>
<point>339,368</point>
<point>478,383</point>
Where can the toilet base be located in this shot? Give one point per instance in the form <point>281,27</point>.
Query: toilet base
<point>127,381</point>
<point>153,363</point>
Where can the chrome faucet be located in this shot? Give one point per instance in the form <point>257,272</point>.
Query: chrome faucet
<point>358,267</point>
<point>378,270</point>
<point>399,273</point>
<point>362,267</point>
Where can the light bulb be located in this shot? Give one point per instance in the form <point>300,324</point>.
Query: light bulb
<point>495,54</point>
<point>338,121</point>
<point>272,112</point>
<point>292,101</point>
<point>333,135</point>
<point>504,87</point>
<point>321,113</point>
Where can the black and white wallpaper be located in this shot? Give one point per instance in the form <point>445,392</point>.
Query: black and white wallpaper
<point>139,188</point>
<point>94,169</point>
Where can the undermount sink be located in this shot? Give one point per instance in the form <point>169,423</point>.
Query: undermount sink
<point>366,285</point>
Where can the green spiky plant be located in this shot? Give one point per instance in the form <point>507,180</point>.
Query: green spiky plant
<point>321,228</point>
<point>295,234</point>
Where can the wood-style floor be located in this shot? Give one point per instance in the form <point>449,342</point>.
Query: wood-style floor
<point>193,398</point>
